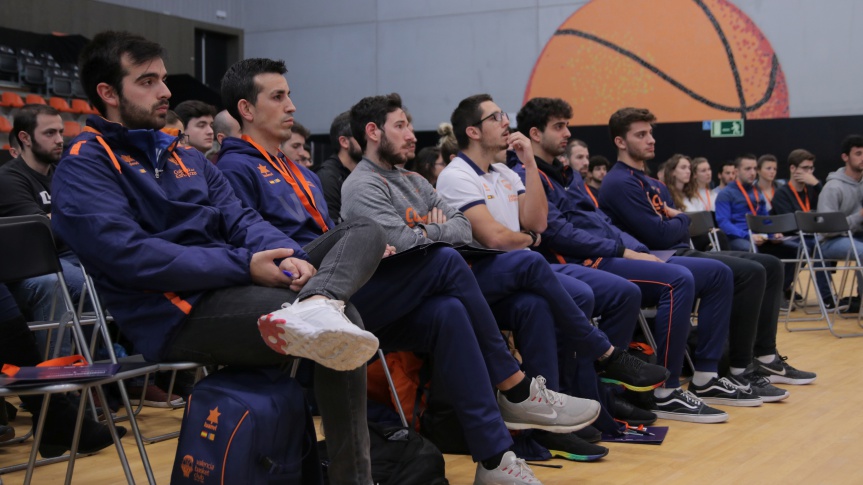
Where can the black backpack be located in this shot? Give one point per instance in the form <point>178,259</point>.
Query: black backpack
<point>400,456</point>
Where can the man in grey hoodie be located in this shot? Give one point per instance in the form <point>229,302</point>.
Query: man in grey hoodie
<point>843,193</point>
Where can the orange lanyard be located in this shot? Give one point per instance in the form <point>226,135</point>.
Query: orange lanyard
<point>591,195</point>
<point>292,175</point>
<point>749,202</point>
<point>806,207</point>
<point>772,193</point>
<point>706,192</point>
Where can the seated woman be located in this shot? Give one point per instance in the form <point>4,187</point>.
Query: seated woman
<point>699,195</point>
<point>18,347</point>
<point>677,174</point>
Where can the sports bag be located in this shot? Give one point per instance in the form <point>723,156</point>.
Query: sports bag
<point>247,426</point>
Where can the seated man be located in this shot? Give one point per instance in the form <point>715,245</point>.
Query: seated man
<point>336,168</point>
<point>406,304</point>
<point>187,269</point>
<point>642,206</point>
<point>502,212</point>
<point>197,118</point>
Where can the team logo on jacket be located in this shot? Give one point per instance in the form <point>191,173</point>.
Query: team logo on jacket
<point>187,465</point>
<point>264,170</point>
<point>211,424</point>
<point>128,159</point>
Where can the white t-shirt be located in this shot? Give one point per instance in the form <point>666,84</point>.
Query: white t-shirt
<point>462,184</point>
<point>705,200</point>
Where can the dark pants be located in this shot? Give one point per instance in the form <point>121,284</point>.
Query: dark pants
<point>222,329</point>
<point>758,282</point>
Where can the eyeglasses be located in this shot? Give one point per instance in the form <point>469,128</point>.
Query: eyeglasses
<point>498,116</point>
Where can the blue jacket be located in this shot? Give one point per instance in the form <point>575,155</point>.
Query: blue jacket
<point>731,210</point>
<point>577,231</point>
<point>156,225</point>
<point>634,202</point>
<point>261,187</point>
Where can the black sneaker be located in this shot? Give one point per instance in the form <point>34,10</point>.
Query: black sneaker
<point>720,390</point>
<point>758,383</point>
<point>622,410</point>
<point>589,434</point>
<point>682,405</point>
<point>630,372</point>
<point>569,446</point>
<point>6,433</point>
<point>780,372</point>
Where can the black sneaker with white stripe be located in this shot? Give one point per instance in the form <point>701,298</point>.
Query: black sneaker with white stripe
<point>752,379</point>
<point>682,405</point>
<point>780,372</point>
<point>720,390</point>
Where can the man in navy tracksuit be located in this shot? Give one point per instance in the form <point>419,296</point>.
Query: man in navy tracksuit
<point>642,206</point>
<point>186,268</point>
<point>581,234</point>
<point>417,302</point>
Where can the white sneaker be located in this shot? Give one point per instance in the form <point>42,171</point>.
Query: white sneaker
<point>318,330</point>
<point>511,471</point>
<point>548,410</point>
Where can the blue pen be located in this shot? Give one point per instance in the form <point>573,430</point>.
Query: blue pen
<point>288,274</point>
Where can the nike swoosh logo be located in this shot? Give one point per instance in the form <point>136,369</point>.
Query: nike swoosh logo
<point>778,373</point>
<point>551,415</point>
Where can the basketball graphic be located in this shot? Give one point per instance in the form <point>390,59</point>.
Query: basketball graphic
<point>685,60</point>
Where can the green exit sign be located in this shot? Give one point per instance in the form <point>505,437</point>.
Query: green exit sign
<point>725,128</point>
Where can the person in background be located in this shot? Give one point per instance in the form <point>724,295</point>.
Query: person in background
<point>699,195</point>
<point>427,163</point>
<point>767,183</point>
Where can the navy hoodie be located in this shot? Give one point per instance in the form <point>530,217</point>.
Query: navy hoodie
<point>261,187</point>
<point>156,225</point>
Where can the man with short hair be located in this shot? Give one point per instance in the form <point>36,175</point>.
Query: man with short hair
<point>224,126</point>
<point>197,118</point>
<point>336,168</point>
<point>296,148</point>
<point>185,267</point>
<point>577,156</point>
<point>597,168</point>
<point>727,175</point>
<point>643,207</point>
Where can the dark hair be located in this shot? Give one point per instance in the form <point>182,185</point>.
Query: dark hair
<point>239,82</point>
<point>341,127</point>
<point>25,120</point>
<point>172,118</point>
<point>727,163</point>
<point>101,61</point>
<point>766,158</point>
<point>668,170</point>
<point>747,156</point>
<point>798,156</point>
<point>424,163</point>
<point>301,130</point>
<point>598,161</point>
<point>538,111</point>
<point>13,141</point>
<point>622,119</point>
<point>193,109</point>
<point>372,109</point>
<point>851,142</point>
<point>467,114</point>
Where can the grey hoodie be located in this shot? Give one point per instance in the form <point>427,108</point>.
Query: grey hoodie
<point>843,194</point>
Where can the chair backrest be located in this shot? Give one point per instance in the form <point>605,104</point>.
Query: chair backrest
<point>780,223</point>
<point>26,248</point>
<point>821,222</point>
<point>700,223</point>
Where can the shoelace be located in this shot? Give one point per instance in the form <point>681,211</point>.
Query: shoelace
<point>521,470</point>
<point>691,398</point>
<point>554,398</point>
<point>630,361</point>
<point>724,382</point>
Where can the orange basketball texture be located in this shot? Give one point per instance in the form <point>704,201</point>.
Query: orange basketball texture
<point>664,55</point>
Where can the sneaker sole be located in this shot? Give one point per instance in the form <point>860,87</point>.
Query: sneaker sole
<point>552,427</point>
<point>692,418</point>
<point>574,457</point>
<point>632,387</point>
<point>778,398</point>
<point>777,379</point>
<point>340,350</point>
<point>721,401</point>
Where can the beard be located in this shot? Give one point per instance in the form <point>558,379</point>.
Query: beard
<point>139,118</point>
<point>641,156</point>
<point>355,153</point>
<point>388,154</point>
<point>43,156</point>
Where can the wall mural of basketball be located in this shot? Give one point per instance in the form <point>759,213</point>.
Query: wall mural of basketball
<point>685,60</point>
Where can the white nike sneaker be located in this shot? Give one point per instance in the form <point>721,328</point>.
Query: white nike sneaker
<point>548,410</point>
<point>318,330</point>
<point>511,471</point>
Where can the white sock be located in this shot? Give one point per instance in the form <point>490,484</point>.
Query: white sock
<point>662,392</point>
<point>702,378</point>
<point>736,371</point>
<point>766,359</point>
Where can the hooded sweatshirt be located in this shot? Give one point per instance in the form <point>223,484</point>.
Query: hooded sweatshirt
<point>156,225</point>
<point>843,194</point>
